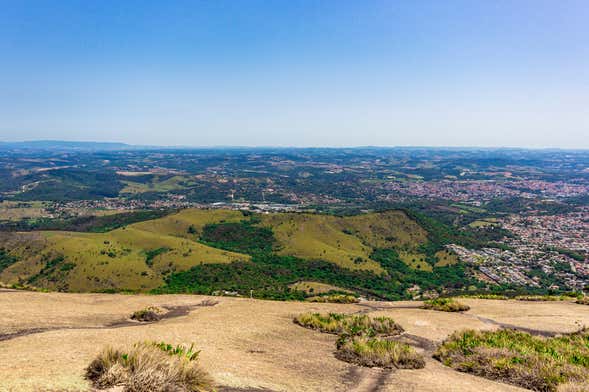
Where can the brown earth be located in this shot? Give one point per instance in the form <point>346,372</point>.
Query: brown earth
<point>46,340</point>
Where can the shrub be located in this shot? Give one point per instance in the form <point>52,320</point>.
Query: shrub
<point>445,305</point>
<point>338,323</point>
<point>537,363</point>
<point>149,314</point>
<point>385,353</point>
<point>335,298</point>
<point>149,367</point>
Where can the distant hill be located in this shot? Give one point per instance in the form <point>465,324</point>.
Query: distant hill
<point>65,145</point>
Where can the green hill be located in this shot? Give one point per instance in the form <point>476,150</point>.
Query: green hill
<point>150,254</point>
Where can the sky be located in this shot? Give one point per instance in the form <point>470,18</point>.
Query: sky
<point>296,73</point>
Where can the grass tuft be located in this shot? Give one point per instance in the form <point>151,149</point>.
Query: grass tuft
<point>536,363</point>
<point>149,314</point>
<point>339,323</point>
<point>445,305</point>
<point>583,301</point>
<point>376,352</point>
<point>149,367</point>
<point>365,341</point>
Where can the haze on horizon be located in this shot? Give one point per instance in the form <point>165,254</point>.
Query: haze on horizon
<point>297,73</point>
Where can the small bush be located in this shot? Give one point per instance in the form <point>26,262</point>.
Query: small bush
<point>335,298</point>
<point>149,367</point>
<point>338,323</point>
<point>445,305</point>
<point>385,353</point>
<point>149,314</point>
<point>536,363</point>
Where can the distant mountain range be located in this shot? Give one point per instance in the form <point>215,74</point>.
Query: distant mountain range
<point>65,145</point>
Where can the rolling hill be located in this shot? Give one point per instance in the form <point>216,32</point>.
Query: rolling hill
<point>146,255</point>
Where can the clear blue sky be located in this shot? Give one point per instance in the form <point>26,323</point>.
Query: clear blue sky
<point>296,73</point>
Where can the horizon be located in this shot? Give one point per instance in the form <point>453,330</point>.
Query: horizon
<point>298,74</point>
<point>188,146</point>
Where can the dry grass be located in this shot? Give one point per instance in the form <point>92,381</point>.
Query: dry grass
<point>377,352</point>
<point>338,323</point>
<point>536,363</point>
<point>317,288</point>
<point>208,302</point>
<point>485,296</point>
<point>149,367</point>
<point>572,387</point>
<point>583,301</point>
<point>543,298</point>
<point>445,305</point>
<point>335,298</point>
<point>148,314</point>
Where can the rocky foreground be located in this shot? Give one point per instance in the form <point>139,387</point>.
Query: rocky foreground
<point>47,339</point>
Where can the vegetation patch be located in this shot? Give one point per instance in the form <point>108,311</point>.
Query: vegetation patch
<point>54,269</point>
<point>243,237</point>
<point>544,298</point>
<point>486,296</point>
<point>6,260</point>
<point>149,366</point>
<point>316,288</point>
<point>364,340</point>
<point>416,261</point>
<point>149,314</point>
<point>153,253</point>
<point>376,352</point>
<point>583,301</point>
<point>89,223</point>
<point>536,363</point>
<point>271,275</point>
<point>445,305</point>
<point>335,298</point>
<point>339,323</point>
<point>346,241</point>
